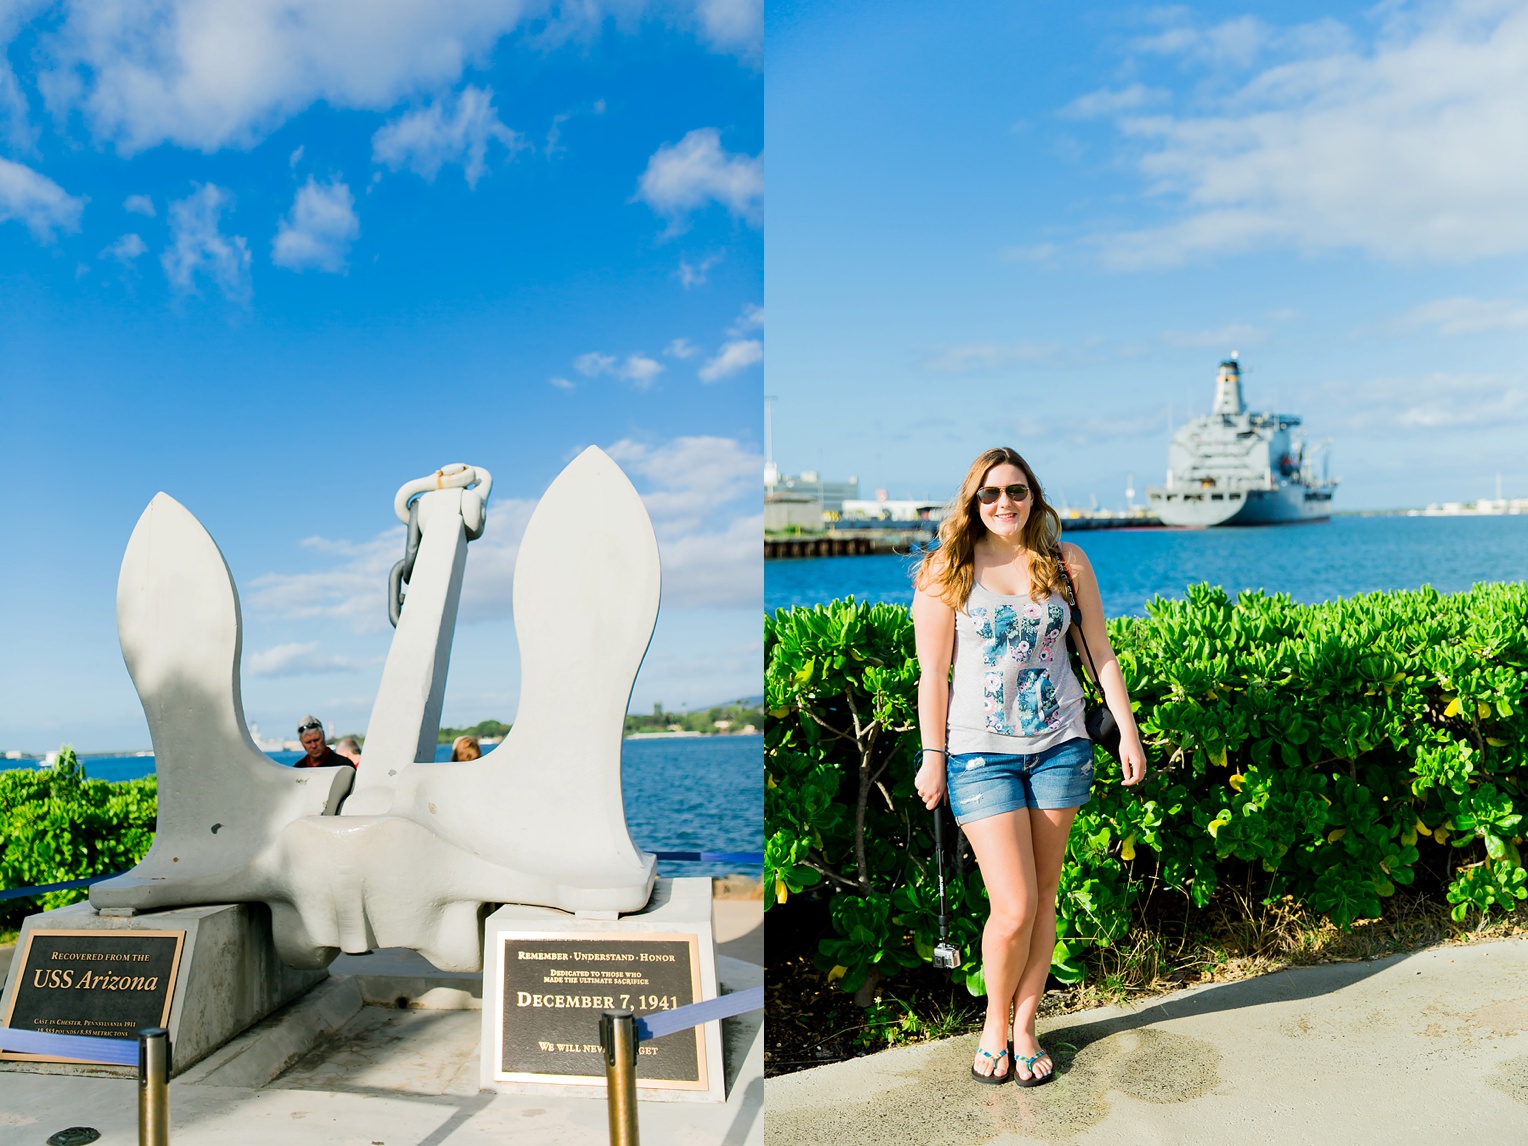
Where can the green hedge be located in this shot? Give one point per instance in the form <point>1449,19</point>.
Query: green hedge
<point>56,825</point>
<point>1308,750</point>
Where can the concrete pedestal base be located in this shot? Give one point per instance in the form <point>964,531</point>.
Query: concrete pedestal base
<point>229,975</point>
<point>678,907</point>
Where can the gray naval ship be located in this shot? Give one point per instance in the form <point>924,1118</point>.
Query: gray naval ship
<point>1235,467</point>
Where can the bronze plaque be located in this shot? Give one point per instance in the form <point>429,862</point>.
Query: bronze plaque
<point>554,985</point>
<point>104,984</point>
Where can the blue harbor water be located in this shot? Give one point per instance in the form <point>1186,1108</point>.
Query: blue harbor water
<point>682,794</point>
<point>1316,562</point>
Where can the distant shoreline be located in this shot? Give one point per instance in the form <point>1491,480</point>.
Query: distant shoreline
<point>24,759</point>
<point>687,735</point>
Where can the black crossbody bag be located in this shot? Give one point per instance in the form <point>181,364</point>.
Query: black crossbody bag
<point>1098,720</point>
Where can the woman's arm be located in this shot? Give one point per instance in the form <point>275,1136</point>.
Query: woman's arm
<point>1110,679</point>
<point>934,636</point>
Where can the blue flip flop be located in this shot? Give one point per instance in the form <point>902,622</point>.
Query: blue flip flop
<point>993,1079</point>
<point>1029,1065</point>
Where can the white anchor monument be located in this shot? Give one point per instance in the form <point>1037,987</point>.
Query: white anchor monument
<point>401,852</point>
<point>411,854</point>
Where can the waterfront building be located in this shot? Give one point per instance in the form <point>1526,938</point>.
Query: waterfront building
<point>831,494</point>
<point>791,511</point>
<point>888,509</point>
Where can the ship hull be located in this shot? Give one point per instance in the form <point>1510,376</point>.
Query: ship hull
<point>1200,509</point>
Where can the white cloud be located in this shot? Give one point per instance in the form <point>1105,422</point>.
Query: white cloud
<point>208,74</point>
<point>561,383</point>
<point>715,568</point>
<point>316,234</point>
<point>1239,42</point>
<point>1087,430</point>
<point>1408,150</point>
<point>456,130</point>
<point>1227,337</point>
<point>693,476</point>
<point>1431,404</point>
<point>198,245</point>
<point>126,249</point>
<point>1106,103</point>
<point>554,133</point>
<point>981,356</point>
<point>34,200</point>
<point>1469,315</point>
<point>638,368</point>
<point>593,364</point>
<point>695,274</point>
<point>739,354</point>
<point>702,494</point>
<point>15,120</point>
<point>296,659</point>
<point>686,176</point>
<point>1031,253</point>
<point>139,205</point>
<point>354,588</point>
<point>681,348</point>
<point>15,124</point>
<point>750,318</point>
<point>732,25</point>
<point>711,546</point>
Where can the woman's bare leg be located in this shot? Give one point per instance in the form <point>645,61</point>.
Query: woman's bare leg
<point>1048,832</point>
<point>1004,853</point>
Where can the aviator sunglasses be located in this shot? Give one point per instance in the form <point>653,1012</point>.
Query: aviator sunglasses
<point>988,494</point>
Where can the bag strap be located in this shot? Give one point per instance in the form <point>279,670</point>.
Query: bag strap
<point>1071,592</point>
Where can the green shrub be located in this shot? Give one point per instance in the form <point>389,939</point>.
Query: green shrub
<point>1311,751</point>
<point>56,825</point>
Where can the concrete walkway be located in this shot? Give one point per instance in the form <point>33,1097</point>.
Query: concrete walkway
<point>1431,1047</point>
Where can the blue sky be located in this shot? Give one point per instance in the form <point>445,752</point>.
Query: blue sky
<point>277,260</point>
<point>1044,225</point>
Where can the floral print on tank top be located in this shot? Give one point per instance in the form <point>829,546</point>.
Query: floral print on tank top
<point>1017,656</point>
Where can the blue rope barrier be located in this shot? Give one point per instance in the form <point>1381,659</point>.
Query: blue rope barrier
<point>83,1048</point>
<point>20,892</point>
<point>714,857</point>
<point>662,1023</point>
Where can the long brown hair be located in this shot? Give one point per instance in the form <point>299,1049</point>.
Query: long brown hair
<point>949,571</point>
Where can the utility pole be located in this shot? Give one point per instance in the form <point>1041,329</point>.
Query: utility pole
<point>771,474</point>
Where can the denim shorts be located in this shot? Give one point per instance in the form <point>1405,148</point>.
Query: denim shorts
<point>983,784</point>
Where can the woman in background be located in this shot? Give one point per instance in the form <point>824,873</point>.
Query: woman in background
<point>1003,735</point>
<point>465,748</point>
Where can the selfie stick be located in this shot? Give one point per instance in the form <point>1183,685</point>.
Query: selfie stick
<point>946,956</point>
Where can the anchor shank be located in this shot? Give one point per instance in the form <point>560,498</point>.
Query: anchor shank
<point>405,720</point>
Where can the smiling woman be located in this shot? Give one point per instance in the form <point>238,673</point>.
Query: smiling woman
<point>1004,739</point>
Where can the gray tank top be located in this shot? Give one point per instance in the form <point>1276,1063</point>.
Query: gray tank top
<point>1013,689</point>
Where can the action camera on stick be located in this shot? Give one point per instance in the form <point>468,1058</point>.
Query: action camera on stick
<point>946,954</point>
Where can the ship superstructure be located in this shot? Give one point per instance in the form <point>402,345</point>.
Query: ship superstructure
<point>1236,467</point>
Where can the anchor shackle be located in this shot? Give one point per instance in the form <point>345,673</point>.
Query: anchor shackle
<point>475,483</point>
<point>458,475</point>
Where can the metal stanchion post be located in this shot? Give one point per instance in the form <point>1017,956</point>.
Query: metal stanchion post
<point>154,1087</point>
<point>618,1037</point>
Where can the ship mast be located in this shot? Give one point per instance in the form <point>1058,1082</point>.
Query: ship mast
<point>1228,398</point>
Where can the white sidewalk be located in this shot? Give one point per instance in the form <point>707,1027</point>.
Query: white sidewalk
<point>1431,1047</point>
